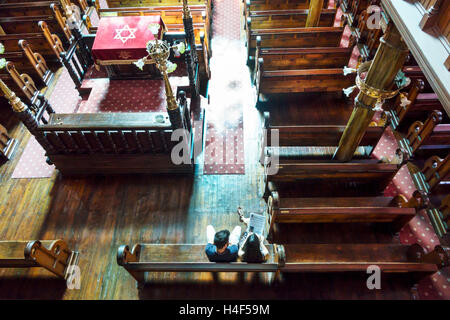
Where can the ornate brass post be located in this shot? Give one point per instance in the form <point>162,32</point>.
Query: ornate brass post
<point>388,60</point>
<point>315,9</point>
<point>159,51</point>
<point>25,115</point>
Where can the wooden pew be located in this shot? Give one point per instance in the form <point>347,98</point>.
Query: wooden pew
<point>22,83</point>
<point>434,172</point>
<point>36,40</point>
<point>7,144</point>
<point>427,138</point>
<point>150,3</point>
<point>295,81</point>
<point>154,3</point>
<point>312,178</point>
<point>19,9</point>
<point>144,259</point>
<point>439,216</point>
<point>268,19</point>
<point>53,255</point>
<point>27,24</point>
<point>294,38</point>
<point>260,5</point>
<point>147,258</point>
<point>353,8</point>
<point>171,15</point>
<point>395,258</point>
<point>286,70</point>
<point>394,211</point>
<point>419,106</point>
<point>295,142</point>
<point>302,58</point>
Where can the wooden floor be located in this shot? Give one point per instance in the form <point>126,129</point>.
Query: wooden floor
<point>97,214</point>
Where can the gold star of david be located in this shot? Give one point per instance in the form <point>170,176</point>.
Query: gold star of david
<point>131,34</point>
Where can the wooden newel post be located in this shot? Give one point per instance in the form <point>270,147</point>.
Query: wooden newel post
<point>386,64</point>
<point>315,9</point>
<point>25,115</point>
<point>173,109</point>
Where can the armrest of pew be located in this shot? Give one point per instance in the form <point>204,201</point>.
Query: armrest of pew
<point>53,255</point>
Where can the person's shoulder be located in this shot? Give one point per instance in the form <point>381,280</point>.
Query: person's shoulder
<point>210,248</point>
<point>233,248</point>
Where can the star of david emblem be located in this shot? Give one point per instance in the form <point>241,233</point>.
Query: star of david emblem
<point>122,38</point>
<point>125,55</point>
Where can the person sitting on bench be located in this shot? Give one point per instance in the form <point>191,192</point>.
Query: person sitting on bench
<point>251,245</point>
<point>222,246</point>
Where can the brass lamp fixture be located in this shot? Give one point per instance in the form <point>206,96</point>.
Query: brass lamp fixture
<point>159,52</point>
<point>380,95</point>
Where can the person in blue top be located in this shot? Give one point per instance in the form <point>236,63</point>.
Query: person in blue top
<point>222,246</point>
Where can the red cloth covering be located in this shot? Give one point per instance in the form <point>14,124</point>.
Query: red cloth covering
<point>124,38</point>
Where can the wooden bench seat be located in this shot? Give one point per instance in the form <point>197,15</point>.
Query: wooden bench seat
<point>53,255</point>
<point>301,58</point>
<point>294,38</point>
<point>429,176</point>
<point>293,141</point>
<point>428,138</point>
<point>327,177</point>
<point>27,24</point>
<point>18,9</point>
<point>338,210</point>
<point>36,40</point>
<point>295,81</point>
<point>144,259</point>
<point>149,3</point>
<point>268,19</point>
<point>260,5</point>
<point>358,257</point>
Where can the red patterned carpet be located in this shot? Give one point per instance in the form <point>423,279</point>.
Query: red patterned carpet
<point>63,99</point>
<point>229,90</point>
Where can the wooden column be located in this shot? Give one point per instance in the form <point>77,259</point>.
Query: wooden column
<point>315,9</point>
<point>388,60</point>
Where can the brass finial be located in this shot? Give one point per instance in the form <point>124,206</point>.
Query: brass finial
<point>14,101</point>
<point>186,10</point>
<point>159,51</point>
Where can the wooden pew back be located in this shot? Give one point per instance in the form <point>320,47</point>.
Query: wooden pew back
<point>53,255</point>
<point>303,58</point>
<point>287,19</point>
<point>337,210</point>
<point>309,258</point>
<point>27,24</point>
<point>35,8</point>
<point>328,178</point>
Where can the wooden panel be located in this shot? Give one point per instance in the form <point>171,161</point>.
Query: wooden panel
<point>314,58</point>
<point>288,18</point>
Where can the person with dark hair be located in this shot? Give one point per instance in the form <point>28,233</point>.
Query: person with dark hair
<point>252,248</point>
<point>222,246</point>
